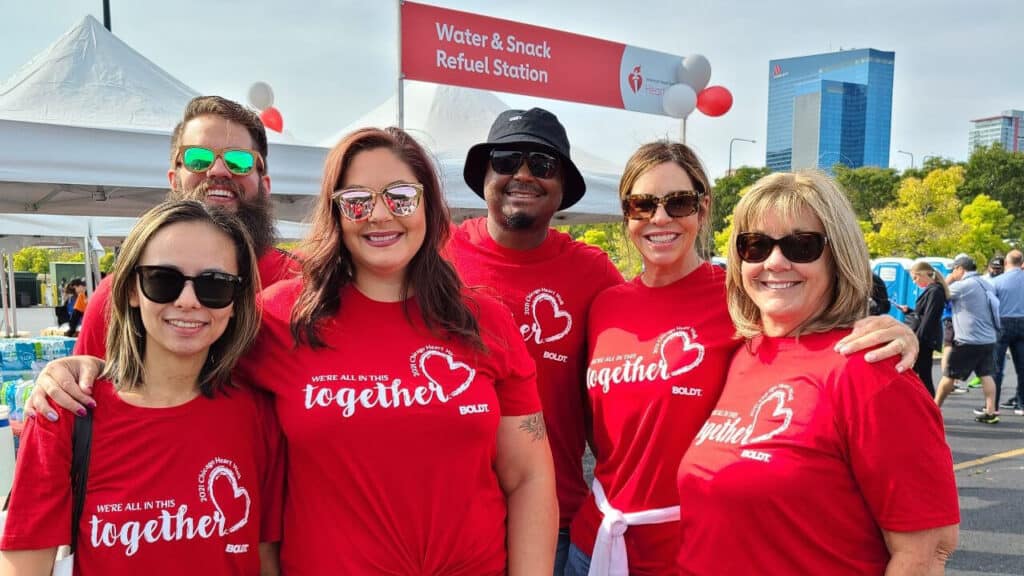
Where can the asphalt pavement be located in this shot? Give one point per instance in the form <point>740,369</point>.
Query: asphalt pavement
<point>989,463</point>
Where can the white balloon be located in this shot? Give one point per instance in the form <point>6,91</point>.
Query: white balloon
<point>695,71</point>
<point>261,96</point>
<point>679,100</point>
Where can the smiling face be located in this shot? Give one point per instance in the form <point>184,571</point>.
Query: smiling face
<point>521,201</point>
<point>788,294</point>
<point>382,245</point>
<point>666,244</point>
<point>217,186</point>
<point>184,328</point>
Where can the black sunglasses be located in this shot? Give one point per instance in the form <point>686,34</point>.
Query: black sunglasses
<point>541,165</point>
<point>679,204</point>
<point>801,247</point>
<point>162,285</point>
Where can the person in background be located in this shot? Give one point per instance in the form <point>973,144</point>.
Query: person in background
<point>975,322</point>
<point>1010,290</point>
<point>800,429</point>
<point>185,472</point>
<point>879,302</point>
<point>995,269</point>
<point>77,306</point>
<point>926,318</point>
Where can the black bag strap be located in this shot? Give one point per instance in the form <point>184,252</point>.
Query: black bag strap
<point>81,450</point>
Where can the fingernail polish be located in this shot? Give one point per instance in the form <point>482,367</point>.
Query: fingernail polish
<point>92,404</point>
<point>31,414</point>
<point>51,416</point>
<point>82,412</point>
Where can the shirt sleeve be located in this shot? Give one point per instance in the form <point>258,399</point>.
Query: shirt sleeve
<point>897,451</point>
<point>92,337</point>
<point>39,514</point>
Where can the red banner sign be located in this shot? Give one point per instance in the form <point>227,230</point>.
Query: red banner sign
<point>463,49</point>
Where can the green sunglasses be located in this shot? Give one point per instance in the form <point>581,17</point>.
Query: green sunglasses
<point>239,161</point>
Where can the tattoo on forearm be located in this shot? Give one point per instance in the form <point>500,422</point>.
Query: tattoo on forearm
<point>534,426</point>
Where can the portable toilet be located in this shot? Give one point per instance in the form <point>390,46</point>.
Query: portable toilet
<point>895,273</point>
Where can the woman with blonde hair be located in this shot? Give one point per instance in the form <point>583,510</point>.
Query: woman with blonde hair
<point>811,462</point>
<point>926,318</point>
<point>184,472</point>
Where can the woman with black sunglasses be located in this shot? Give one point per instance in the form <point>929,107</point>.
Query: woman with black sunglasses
<point>812,462</point>
<point>185,473</point>
<point>659,347</point>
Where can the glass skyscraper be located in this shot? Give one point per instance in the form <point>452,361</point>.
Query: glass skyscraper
<point>830,109</point>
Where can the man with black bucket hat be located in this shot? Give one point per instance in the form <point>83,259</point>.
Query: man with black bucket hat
<point>525,174</point>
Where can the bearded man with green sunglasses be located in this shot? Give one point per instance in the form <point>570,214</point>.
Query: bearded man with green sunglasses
<point>218,157</point>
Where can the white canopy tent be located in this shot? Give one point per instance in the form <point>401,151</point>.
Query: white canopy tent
<point>85,126</point>
<point>448,120</point>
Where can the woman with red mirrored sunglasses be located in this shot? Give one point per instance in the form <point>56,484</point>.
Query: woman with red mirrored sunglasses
<point>184,469</point>
<point>800,429</point>
<point>659,347</point>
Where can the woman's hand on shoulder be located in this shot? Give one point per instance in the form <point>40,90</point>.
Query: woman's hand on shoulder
<point>888,334</point>
<point>69,382</point>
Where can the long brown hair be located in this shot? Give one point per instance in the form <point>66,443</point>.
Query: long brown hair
<point>327,265</point>
<point>126,334</point>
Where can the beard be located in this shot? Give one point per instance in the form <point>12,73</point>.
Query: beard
<point>255,214</point>
<point>516,219</point>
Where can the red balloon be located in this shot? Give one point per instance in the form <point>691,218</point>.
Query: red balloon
<point>714,100</point>
<point>272,119</point>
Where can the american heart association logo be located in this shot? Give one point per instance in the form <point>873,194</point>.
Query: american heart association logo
<point>231,500</point>
<point>676,349</point>
<point>550,322</point>
<point>444,373</point>
<point>776,401</point>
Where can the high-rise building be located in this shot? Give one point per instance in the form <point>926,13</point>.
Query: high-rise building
<point>1007,129</point>
<point>829,109</point>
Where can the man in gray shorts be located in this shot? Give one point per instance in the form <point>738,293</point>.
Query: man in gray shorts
<point>974,323</point>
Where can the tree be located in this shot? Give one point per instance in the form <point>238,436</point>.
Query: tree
<point>999,174</point>
<point>32,259</point>
<point>727,192</point>
<point>930,164</point>
<point>986,223</point>
<point>924,220</point>
<point>611,238</point>
<point>107,262</point>
<point>867,187</point>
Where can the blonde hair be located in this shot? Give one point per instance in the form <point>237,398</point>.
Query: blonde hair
<point>932,274</point>
<point>787,196</point>
<point>126,334</point>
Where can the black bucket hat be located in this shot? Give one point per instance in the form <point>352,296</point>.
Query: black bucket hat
<point>533,126</point>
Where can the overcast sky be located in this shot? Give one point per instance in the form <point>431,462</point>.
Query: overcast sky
<point>330,61</point>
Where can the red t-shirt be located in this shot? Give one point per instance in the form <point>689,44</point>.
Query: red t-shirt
<point>549,290</point>
<point>806,458</point>
<point>392,436</point>
<point>188,489</point>
<point>275,265</point>
<point>658,358</point>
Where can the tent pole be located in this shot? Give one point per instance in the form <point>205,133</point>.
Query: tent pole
<point>401,72</point>
<point>9,296</point>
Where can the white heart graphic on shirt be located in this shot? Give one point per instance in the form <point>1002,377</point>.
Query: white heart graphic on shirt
<point>778,409</point>
<point>442,381</point>
<point>688,348</point>
<point>237,492</point>
<point>551,324</point>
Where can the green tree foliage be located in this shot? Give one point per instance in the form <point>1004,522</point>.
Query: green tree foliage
<point>727,193</point>
<point>930,164</point>
<point>1000,175</point>
<point>611,238</point>
<point>868,187</point>
<point>924,219</point>
<point>35,259</point>
<point>107,262</point>
<point>986,223</point>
